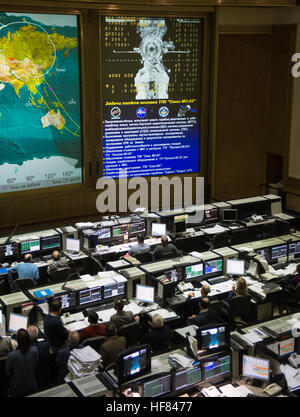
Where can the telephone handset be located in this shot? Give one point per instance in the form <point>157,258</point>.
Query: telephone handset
<point>184,286</point>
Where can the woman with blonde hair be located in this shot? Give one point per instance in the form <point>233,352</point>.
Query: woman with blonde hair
<point>239,289</point>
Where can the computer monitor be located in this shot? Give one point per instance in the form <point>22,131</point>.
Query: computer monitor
<point>9,250</point>
<point>265,253</point>
<point>157,386</point>
<point>174,275</point>
<point>294,248</point>
<point>90,295</point>
<point>194,271</point>
<point>214,337</point>
<point>235,267</point>
<point>179,227</point>
<point>286,347</point>
<point>136,228</point>
<point>216,367</point>
<point>133,362</point>
<point>211,214</point>
<point>16,322</point>
<point>113,289</point>
<point>120,230</point>
<point>30,246</point>
<point>158,229</point>
<point>229,215</point>
<point>144,294</point>
<point>278,252</point>
<point>67,300</point>
<point>256,368</point>
<point>72,245</point>
<point>187,378</point>
<point>213,267</point>
<point>104,233</point>
<point>50,242</point>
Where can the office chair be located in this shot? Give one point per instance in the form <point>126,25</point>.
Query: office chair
<point>216,306</point>
<point>143,257</point>
<point>132,333</point>
<point>4,287</point>
<point>239,236</point>
<point>94,342</point>
<point>23,284</point>
<point>4,378</point>
<point>166,255</point>
<point>282,227</point>
<point>238,306</point>
<point>60,275</point>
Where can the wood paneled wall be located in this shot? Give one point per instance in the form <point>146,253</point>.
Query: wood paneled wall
<point>242,106</point>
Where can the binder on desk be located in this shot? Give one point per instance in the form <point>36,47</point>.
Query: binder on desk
<point>43,293</point>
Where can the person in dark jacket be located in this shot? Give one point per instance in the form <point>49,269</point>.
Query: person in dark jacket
<point>21,365</point>
<point>113,346</point>
<point>159,336</point>
<point>43,372</point>
<point>165,248</point>
<point>121,317</point>
<point>205,316</point>
<point>55,332</point>
<point>63,355</point>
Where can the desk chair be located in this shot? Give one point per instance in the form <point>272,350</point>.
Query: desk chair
<point>60,275</point>
<point>143,257</point>
<point>132,333</point>
<point>94,342</point>
<point>4,378</point>
<point>4,287</point>
<point>23,284</point>
<point>238,307</point>
<point>218,240</point>
<point>282,227</point>
<point>216,306</point>
<point>239,236</point>
<point>166,255</point>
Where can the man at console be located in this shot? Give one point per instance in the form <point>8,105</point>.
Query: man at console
<point>165,248</point>
<point>141,247</point>
<point>121,317</point>
<point>205,316</point>
<point>25,270</point>
<point>58,262</point>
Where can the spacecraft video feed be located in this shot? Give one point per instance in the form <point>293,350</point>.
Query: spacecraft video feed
<point>151,70</point>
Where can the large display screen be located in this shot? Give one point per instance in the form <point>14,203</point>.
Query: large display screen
<point>151,95</point>
<point>40,137</point>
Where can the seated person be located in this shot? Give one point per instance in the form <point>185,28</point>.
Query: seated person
<point>141,247</point>
<point>63,355</point>
<point>94,329</point>
<point>205,290</point>
<point>164,248</point>
<point>6,346</point>
<point>205,315</point>
<point>191,305</point>
<point>121,317</point>
<point>58,262</point>
<point>26,269</point>
<point>240,289</point>
<point>159,336</point>
<point>113,346</point>
<point>296,276</point>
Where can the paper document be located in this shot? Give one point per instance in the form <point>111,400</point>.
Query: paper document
<point>182,360</point>
<point>230,391</point>
<point>86,277</point>
<point>252,337</point>
<point>164,313</point>
<point>77,325</point>
<point>74,317</point>
<point>211,392</point>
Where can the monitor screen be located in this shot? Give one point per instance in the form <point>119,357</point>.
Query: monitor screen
<point>257,368</point>
<point>212,214</point>
<point>174,275</point>
<point>212,267</point>
<point>114,289</point>
<point>187,378</point>
<point>294,248</point>
<point>213,337</point>
<point>133,363</point>
<point>137,227</point>
<point>157,387</point>
<point>50,242</point>
<point>279,252</point>
<point>104,233</point>
<point>67,300</point>
<point>181,218</point>
<point>158,229</point>
<point>89,295</point>
<point>30,246</point>
<point>120,230</point>
<point>229,215</point>
<point>235,267</point>
<point>72,245</point>
<point>8,250</point>
<point>286,347</point>
<point>144,294</point>
<point>194,271</point>
<point>216,366</point>
<point>16,322</point>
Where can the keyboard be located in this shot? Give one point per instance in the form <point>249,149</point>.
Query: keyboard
<point>279,266</point>
<point>239,340</point>
<point>208,226</point>
<point>217,280</point>
<point>268,332</point>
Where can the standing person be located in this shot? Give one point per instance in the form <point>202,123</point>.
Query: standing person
<point>21,366</point>
<point>63,356</point>
<point>43,373</point>
<point>55,332</point>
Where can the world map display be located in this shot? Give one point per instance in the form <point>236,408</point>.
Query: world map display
<point>40,138</point>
